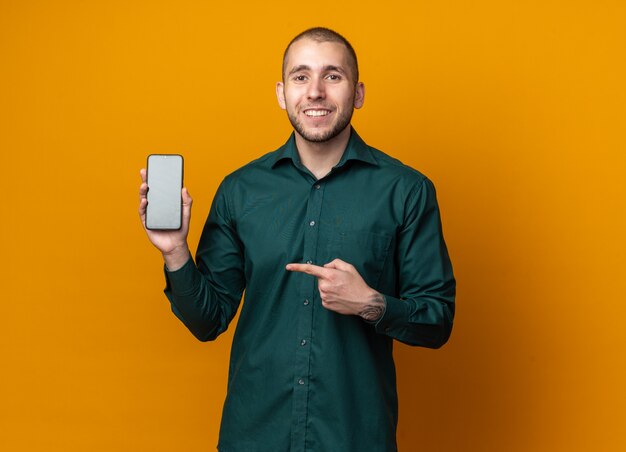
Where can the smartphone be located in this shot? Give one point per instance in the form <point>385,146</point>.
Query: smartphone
<point>165,181</point>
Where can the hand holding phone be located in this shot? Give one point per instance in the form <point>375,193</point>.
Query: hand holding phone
<point>171,242</point>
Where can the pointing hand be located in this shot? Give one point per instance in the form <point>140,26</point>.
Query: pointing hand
<point>343,290</point>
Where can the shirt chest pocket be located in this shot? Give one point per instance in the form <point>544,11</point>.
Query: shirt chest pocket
<point>367,251</point>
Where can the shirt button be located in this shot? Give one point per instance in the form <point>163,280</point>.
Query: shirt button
<point>312,223</point>
<point>300,381</point>
<point>306,302</point>
<point>303,342</point>
<point>317,186</point>
<point>309,262</point>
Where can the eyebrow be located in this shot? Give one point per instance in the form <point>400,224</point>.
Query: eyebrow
<point>304,67</point>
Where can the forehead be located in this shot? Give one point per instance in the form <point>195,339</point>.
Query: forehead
<point>307,52</point>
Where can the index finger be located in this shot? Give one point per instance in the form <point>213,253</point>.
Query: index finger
<point>309,269</point>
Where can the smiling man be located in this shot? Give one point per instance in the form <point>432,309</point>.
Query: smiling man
<point>340,250</point>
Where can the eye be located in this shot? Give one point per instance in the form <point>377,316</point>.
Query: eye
<point>333,77</point>
<point>299,78</point>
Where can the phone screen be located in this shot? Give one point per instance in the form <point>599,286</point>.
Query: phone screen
<point>165,181</point>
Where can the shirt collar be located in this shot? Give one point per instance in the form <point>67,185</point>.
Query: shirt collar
<point>355,150</point>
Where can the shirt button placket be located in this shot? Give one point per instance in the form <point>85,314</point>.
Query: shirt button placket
<point>305,320</point>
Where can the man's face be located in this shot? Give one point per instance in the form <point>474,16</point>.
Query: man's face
<point>319,91</point>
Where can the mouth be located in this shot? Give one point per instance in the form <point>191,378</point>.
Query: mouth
<point>316,112</point>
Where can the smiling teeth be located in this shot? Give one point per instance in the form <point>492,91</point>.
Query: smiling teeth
<point>316,112</point>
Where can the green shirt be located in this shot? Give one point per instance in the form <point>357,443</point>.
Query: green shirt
<point>301,377</point>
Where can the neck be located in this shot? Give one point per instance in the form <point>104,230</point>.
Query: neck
<point>320,158</point>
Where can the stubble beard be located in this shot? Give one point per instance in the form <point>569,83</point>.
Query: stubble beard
<point>320,136</point>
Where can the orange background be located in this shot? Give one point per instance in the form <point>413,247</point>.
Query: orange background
<point>516,110</point>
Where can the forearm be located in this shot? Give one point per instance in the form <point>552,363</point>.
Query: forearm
<point>205,311</point>
<point>424,320</point>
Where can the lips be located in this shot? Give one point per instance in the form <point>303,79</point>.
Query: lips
<point>316,111</point>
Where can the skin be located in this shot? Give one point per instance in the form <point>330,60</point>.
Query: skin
<point>318,77</point>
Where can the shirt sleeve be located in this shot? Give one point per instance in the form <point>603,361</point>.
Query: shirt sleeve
<point>205,295</point>
<point>423,312</point>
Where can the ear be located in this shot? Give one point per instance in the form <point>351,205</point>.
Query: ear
<point>359,95</point>
<point>280,95</point>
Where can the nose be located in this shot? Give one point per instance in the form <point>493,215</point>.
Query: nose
<point>316,89</point>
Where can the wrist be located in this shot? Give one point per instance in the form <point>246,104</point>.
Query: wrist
<point>374,308</point>
<point>177,257</point>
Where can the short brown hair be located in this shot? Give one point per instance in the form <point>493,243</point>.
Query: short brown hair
<point>321,34</point>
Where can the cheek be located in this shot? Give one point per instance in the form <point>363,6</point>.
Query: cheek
<point>291,101</point>
<point>344,98</point>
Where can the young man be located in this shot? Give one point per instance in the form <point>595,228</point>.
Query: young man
<point>340,250</point>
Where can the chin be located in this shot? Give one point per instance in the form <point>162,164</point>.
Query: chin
<point>319,137</point>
